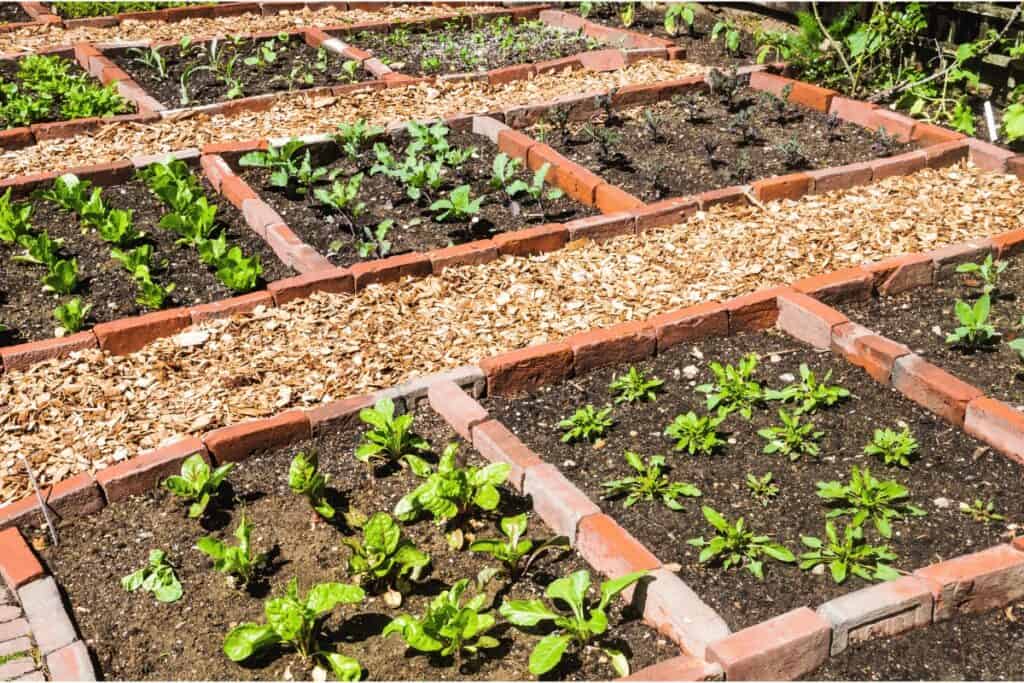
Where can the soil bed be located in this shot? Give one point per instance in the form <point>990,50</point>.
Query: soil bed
<point>951,466</point>
<point>79,10</point>
<point>11,12</point>
<point>414,226</point>
<point>922,318</point>
<point>130,633</point>
<point>104,283</point>
<point>295,66</point>
<point>985,647</point>
<point>458,48</point>
<point>676,163</point>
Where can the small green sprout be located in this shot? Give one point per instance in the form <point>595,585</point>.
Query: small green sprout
<point>586,424</point>
<point>981,511</point>
<point>895,448</point>
<point>512,550</point>
<point>649,483</point>
<point>734,388</point>
<point>762,489</point>
<point>851,555</point>
<point>197,483</point>
<point>696,435</point>
<point>305,479</point>
<point>157,577</point>
<point>974,331</point>
<point>634,386</point>
<point>735,545</point>
<point>988,270</point>
<point>809,393</point>
<point>791,439</point>
<point>236,561</point>
<point>866,498</point>
<point>389,438</point>
<point>458,205</point>
<point>71,316</point>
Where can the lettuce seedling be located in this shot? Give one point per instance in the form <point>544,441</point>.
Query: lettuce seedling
<point>297,622</point>
<point>134,258</point>
<point>157,577</point>
<point>761,488</point>
<point>851,555</point>
<point>866,498</point>
<point>390,437</point>
<point>305,479</point>
<point>458,205</point>
<point>118,229</point>
<point>62,277</point>
<point>234,560</point>
<point>634,386</point>
<point>809,393</point>
<point>586,424</point>
<point>512,550</point>
<point>197,483</point>
<point>237,272</point>
<point>449,626</point>
<point>151,294</point>
<point>15,218</point>
<point>696,435</point>
<point>895,448</point>
<point>792,439</point>
<point>94,210</point>
<point>981,511</point>
<point>383,558</point>
<point>735,545</point>
<point>583,626</point>
<point>649,483</point>
<point>71,316</point>
<point>974,331</point>
<point>39,249</point>
<point>376,240</point>
<point>988,270</point>
<point>68,192</point>
<point>733,388</point>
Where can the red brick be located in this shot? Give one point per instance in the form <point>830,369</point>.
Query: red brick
<point>236,190</point>
<point>471,253</point>
<point>681,668</point>
<point>306,259</point>
<point>666,212</point>
<point>343,414</point>
<point>124,336</point>
<point>844,341</point>
<point>576,181</point>
<point>1009,243</point>
<point>187,155</point>
<point>623,343</point>
<point>1018,543</point>
<point>602,227</point>
<point>854,111</point>
<point>24,356</point>
<point>225,308</point>
<point>112,73</point>
<point>519,72</point>
<point>998,425</point>
<point>562,19</point>
<point>901,164</point>
<point>18,564</point>
<point>946,259</point>
<point>610,549</point>
<point>726,195</point>
<point>879,611</point>
<point>933,388</point>
<point>537,240</point>
<point>280,238</point>
<point>791,186</point>
<point>877,355</point>
<point>559,503</point>
<point>111,173</point>
<point>901,273</point>
<point>16,138</point>
<point>559,65</point>
<point>945,154</point>
<point>232,149</point>
<point>238,442</point>
<point>71,663</point>
<point>603,60</point>
<point>638,54</point>
<point>695,322</point>
<point>895,124</point>
<point>63,129</point>
<point>132,91</point>
<point>848,284</point>
<point>459,409</point>
<point>611,199</point>
<point>488,127</point>
<point>336,281</point>
<point>977,582</point>
<point>675,53</point>
<point>808,319</point>
<point>497,444</point>
<point>521,370</point>
<point>514,143</point>
<point>783,648</point>
<point>260,216</point>
<point>927,134</point>
<point>987,156</point>
<point>638,94</point>
<point>72,497</point>
<point>144,472</point>
<point>755,311</point>
<point>672,607</point>
<point>841,177</point>
<point>390,269</point>
<point>1016,166</point>
<point>802,93</point>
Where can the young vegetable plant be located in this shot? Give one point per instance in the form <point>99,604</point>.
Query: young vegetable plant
<point>15,218</point>
<point>586,424</point>
<point>981,511</point>
<point>649,483</point>
<point>286,169</point>
<point>809,393</point>
<point>535,190</point>
<point>61,277</point>
<point>585,624</point>
<point>894,448</point>
<point>762,489</point>
<point>635,387</point>
<point>458,205</point>
<point>851,555</point>
<point>677,15</point>
<point>375,240</point>
<point>975,331</point>
<point>342,197</point>
<point>157,577</point>
<point>696,435</point>
<point>791,439</point>
<point>197,483</point>
<point>734,389</point>
<point>731,33</point>
<point>503,172</point>
<point>868,499</point>
<point>735,545</point>
<point>305,479</point>
<point>384,559</point>
<point>389,438</point>
<point>297,622</point>
<point>237,561</point>
<point>515,551</point>
<point>354,137</point>
<point>988,271</point>
<point>71,316</point>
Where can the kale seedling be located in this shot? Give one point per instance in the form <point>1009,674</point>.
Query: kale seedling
<point>389,438</point>
<point>237,561</point>
<point>982,512</point>
<point>157,577</point>
<point>791,439</point>
<point>895,448</point>
<point>696,435</point>
<point>512,550</point>
<point>975,331</point>
<point>735,545</point>
<point>733,388</point>
<point>586,424</point>
<point>649,483</point>
<point>635,387</point>
<point>458,205</point>
<point>851,555</point>
<point>761,488</point>
<point>71,316</point>
<point>384,559</point>
<point>988,270</point>
<point>305,479</point>
<point>809,393</point>
<point>866,498</point>
<point>586,623</point>
<point>197,483</point>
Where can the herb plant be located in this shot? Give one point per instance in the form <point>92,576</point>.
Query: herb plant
<point>735,545</point>
<point>234,560</point>
<point>868,499</point>
<point>157,577</point>
<point>384,558</point>
<point>677,15</point>
<point>586,424</point>
<point>762,489</point>
<point>809,393</point>
<point>894,448</point>
<point>516,552</point>
<point>635,387</point>
<point>731,34</point>
<point>734,388</point>
<point>305,479</point>
<point>974,331</point>
<point>696,435</point>
<point>851,555</point>
<point>791,439</point>
<point>390,437</point>
<point>649,483</point>
<point>197,483</point>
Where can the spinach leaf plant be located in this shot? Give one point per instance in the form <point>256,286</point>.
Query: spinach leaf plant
<point>583,625</point>
<point>384,559</point>
<point>848,555</point>
<point>305,479</point>
<point>157,577</point>
<point>515,551</point>
<point>458,205</point>
<point>586,424</point>
<point>988,271</point>
<point>649,483</point>
<point>762,488</point>
<point>868,499</point>
<point>734,388</point>
<point>297,622</point>
<point>974,331</point>
<point>390,437</point>
<point>239,562</point>
<point>735,545</point>
<point>197,483</point>
<point>791,439</point>
<point>696,435</point>
<point>894,448</point>
<point>635,387</point>
<point>809,394</point>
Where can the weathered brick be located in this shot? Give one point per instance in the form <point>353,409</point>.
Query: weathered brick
<point>497,444</point>
<point>514,143</point>
<point>602,227</point>
<point>997,424</point>
<point>507,74</point>
<point>977,582</point>
<point>1016,166</point>
<point>391,269</point>
<point>666,212</point>
<point>24,356</point>
<point>1008,243</point>
<point>237,442</point>
<point>611,199</point>
<point>471,253</point>
<point>895,124</point>
<point>610,549</point>
<point>725,195</point>
<point>987,156</point>
<point>681,668</point>
<point>878,355</point>
<point>854,111</point>
<point>879,611</point>
<point>536,240</point>
<point>44,609</point>
<point>673,608</point>
<point>901,273</point>
<point>790,186</point>
<point>806,94</point>
<point>16,628</point>
<point>121,337</point>
<point>521,370</point>
<point>841,177</point>
<point>946,259</point>
<point>945,154</point>
<point>755,311</point>
<point>72,497</point>
<point>259,216</point>
<point>705,320</point>
<point>899,165</point>
<point>225,308</point>
<point>488,127</point>
<point>603,60</point>
<point>336,281</point>
<point>623,343</point>
<point>559,503</point>
<point>457,408</point>
<point>144,472</point>
<point>840,286</point>
<point>71,663</point>
<point>576,181</point>
<point>343,414</point>
<point>808,319</point>
<point>215,169</point>
<point>933,388</point>
<point>783,648</point>
<point>929,134</point>
<point>844,340</point>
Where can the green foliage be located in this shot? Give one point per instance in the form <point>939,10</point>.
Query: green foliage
<point>586,424</point>
<point>584,624</point>
<point>342,196</point>
<point>197,483</point>
<point>157,577</point>
<point>696,435</point>
<point>503,172</point>
<point>151,59</point>
<point>234,560</point>
<point>851,555</point>
<point>895,448</point>
<point>297,622</point>
<point>988,271</point>
<point>72,315</point>
<point>679,14</point>
<point>287,168</point>
<point>512,550</point>
<point>133,259</point>
<point>305,479</point>
<point>733,388</point>
<point>809,393</point>
<point>117,228</point>
<point>761,488</point>
<point>79,10</point>
<point>1013,122</point>
<point>458,205</point>
<point>627,14</point>
<point>635,387</point>
<point>450,491</point>
<point>375,240</point>
<point>68,192</point>
<point>649,483</point>
<point>237,272</point>
<point>84,99</point>
<point>974,331</point>
<point>45,83</point>
<point>535,189</point>
<point>868,499</point>
<point>735,545</point>
<point>791,439</point>
<point>390,437</point>
<point>39,249</point>
<point>353,137</point>
<point>731,33</point>
<point>383,557</point>
<point>62,277</point>
<point>981,511</point>
<point>15,218</point>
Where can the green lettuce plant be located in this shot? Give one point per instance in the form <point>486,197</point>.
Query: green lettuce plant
<point>157,577</point>
<point>515,551</point>
<point>384,558</point>
<point>71,316</point>
<point>237,561</point>
<point>197,483</point>
<point>974,331</point>
<point>390,437</point>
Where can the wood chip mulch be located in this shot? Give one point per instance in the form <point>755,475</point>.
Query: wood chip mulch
<point>93,410</point>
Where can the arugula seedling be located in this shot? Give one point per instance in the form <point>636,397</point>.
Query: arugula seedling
<point>988,270</point>
<point>197,483</point>
<point>237,561</point>
<point>851,555</point>
<point>305,479</point>
<point>791,439</point>
<point>635,387</point>
<point>761,488</point>
<point>974,331</point>
<point>735,545</point>
<point>157,577</point>
<point>15,218</point>
<point>733,388</point>
<point>981,511</point>
<point>895,448</point>
<point>696,435</point>
<point>809,393</point>
<point>384,558</point>
<point>512,550</point>
<point>585,624</point>
<point>297,622</point>
<point>71,316</point>
<point>62,277</point>
<point>649,483</point>
<point>430,64</point>
<point>586,424</point>
<point>866,498</point>
<point>458,205</point>
<point>389,438</point>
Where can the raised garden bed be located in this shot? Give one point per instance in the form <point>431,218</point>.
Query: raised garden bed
<point>984,647</point>
<point>83,10</point>
<point>457,47</point>
<point>11,12</point>
<point>129,631</point>
<point>337,233</point>
<point>231,68</point>
<point>949,468</point>
<point>703,140</point>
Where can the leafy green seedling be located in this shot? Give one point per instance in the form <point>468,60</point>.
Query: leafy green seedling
<point>649,483</point>
<point>762,488</point>
<point>679,14</point>
<point>305,479</point>
<point>133,258</point>
<point>71,316</point>
<point>376,240</point>
<point>458,205</point>
<point>15,218</point>
<point>988,271</point>
<point>237,561</point>
<point>851,555</point>
<point>390,437</point>
<point>585,624</point>
<point>285,167</point>
<point>516,552</point>
<point>867,498</point>
<point>735,545</point>
<point>696,435</point>
<point>732,35</point>
<point>40,249</point>
<point>733,388</point>
<point>981,511</point>
<point>503,172</point>
<point>974,331</point>
<point>197,483</point>
<point>791,439</point>
<point>535,189</point>
<point>342,197</point>
<point>384,559</point>
<point>118,229</point>
<point>353,137</point>
<point>62,277</point>
<point>157,577</point>
<point>68,192</point>
<point>894,448</point>
<point>634,387</point>
<point>586,424</point>
<point>237,272</point>
<point>809,393</point>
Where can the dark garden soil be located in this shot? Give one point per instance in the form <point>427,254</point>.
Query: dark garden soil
<point>78,10</point>
<point>985,647</point>
<point>296,66</point>
<point>9,74</point>
<point>135,637</point>
<point>414,226</point>
<point>105,284</point>
<point>676,162</point>
<point>459,48</point>
<point>951,468</point>
<point>921,318</point>
<point>12,12</point>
